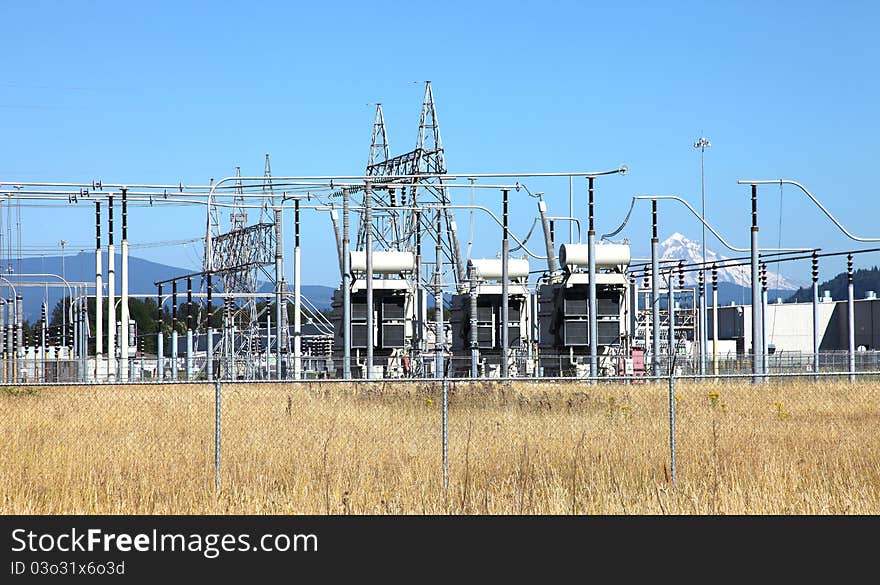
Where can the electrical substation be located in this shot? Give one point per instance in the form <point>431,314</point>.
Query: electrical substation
<point>409,302</point>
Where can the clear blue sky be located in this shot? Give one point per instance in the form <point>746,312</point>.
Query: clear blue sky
<point>177,91</point>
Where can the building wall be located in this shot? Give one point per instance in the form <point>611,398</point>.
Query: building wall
<point>866,316</point>
<point>790,325</point>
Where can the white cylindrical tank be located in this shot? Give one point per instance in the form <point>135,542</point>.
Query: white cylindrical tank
<point>392,262</point>
<point>607,255</point>
<point>490,268</point>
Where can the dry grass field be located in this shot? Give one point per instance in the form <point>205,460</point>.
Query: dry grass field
<point>520,448</point>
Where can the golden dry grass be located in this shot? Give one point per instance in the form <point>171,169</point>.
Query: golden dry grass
<point>530,448</point>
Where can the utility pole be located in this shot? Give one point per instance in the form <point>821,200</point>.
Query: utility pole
<point>63,296</point>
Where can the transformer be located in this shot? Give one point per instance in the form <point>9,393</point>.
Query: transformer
<point>395,310</point>
<point>485,292</point>
<point>563,312</point>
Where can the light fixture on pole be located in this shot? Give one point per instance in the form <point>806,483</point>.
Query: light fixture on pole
<point>703,143</point>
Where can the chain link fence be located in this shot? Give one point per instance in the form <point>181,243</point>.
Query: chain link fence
<point>57,368</point>
<point>641,445</point>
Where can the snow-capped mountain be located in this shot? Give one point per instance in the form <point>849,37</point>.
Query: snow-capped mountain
<point>678,247</point>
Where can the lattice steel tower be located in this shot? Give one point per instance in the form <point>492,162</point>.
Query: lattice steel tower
<point>396,228</point>
<point>241,257</point>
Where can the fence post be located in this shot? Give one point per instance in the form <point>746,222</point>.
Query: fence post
<point>217,436</point>
<point>672,423</point>
<point>444,386</point>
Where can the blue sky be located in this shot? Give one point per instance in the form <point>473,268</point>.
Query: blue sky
<point>174,91</point>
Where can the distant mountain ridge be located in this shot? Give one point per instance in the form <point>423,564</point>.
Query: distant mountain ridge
<point>81,268</point>
<point>679,247</point>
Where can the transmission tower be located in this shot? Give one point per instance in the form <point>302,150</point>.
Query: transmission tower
<point>267,216</point>
<point>396,230</point>
<point>241,257</point>
<point>379,145</point>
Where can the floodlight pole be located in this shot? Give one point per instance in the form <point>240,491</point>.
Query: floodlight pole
<point>703,143</point>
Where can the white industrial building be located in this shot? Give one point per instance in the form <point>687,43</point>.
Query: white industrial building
<point>789,326</point>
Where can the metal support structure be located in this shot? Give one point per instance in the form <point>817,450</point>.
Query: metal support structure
<point>10,339</point>
<point>83,342</point>
<point>505,289</point>
<point>670,301</point>
<point>754,184</point>
<point>814,200</point>
<point>655,290</point>
<point>702,325</point>
<point>44,325</point>
<point>189,330</point>
<point>591,268</point>
<point>19,336</point>
<point>297,296</point>
<point>334,219</point>
<point>111,296</point>
<point>99,294</point>
<point>672,426</point>
<point>174,364</point>
<point>74,307</point>
<point>570,209</point>
<point>815,278</point>
<point>475,343</point>
<point>535,341</point>
<point>228,371</point>
<point>209,332</point>
<point>703,143</point>
<point>4,343</point>
<point>714,318</point>
<point>438,300</point>
<point>765,354</point>
<point>346,289</point>
<point>850,319</point>
<point>633,309</point>
<point>279,297</point>
<point>142,348</point>
<point>368,250</point>
<point>757,350</point>
<point>548,238</point>
<point>4,340</point>
<point>124,315</point>
<point>160,337</point>
<point>421,292</point>
<point>268,336</point>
